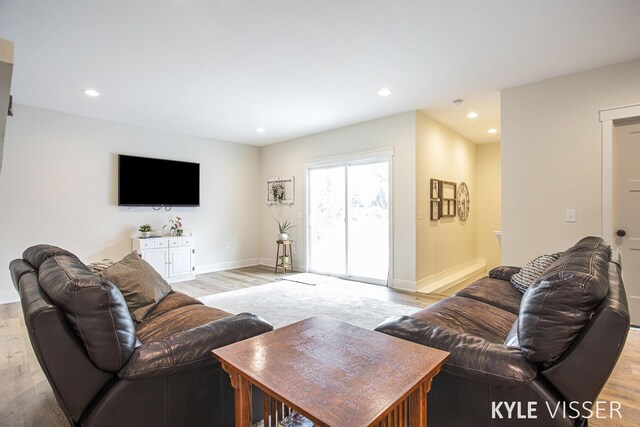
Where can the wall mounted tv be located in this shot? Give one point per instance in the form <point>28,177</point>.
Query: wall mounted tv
<point>143,181</point>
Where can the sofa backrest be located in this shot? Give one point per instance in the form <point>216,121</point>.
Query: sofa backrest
<point>559,304</point>
<point>582,371</point>
<point>74,378</point>
<point>94,307</point>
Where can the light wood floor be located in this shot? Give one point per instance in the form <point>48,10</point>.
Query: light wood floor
<point>26,398</point>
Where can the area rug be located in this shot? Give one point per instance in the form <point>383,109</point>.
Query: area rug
<point>284,302</point>
<point>308,278</point>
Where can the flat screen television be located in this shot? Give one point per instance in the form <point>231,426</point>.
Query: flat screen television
<point>143,181</point>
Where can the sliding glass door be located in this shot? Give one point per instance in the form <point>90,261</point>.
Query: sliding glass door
<point>348,227</point>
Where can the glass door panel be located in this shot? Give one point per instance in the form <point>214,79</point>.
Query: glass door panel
<point>369,221</point>
<point>327,225</point>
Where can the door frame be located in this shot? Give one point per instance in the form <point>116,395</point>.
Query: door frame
<point>608,117</point>
<point>385,154</point>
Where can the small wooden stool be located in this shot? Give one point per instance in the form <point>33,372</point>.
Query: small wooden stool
<point>283,265</point>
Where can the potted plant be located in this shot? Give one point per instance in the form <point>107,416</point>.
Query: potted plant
<point>145,230</point>
<point>175,226</point>
<point>283,229</point>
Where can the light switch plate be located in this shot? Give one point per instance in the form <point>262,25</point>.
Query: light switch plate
<point>571,215</point>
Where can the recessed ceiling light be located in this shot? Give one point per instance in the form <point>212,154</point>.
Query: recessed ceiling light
<point>472,115</point>
<point>260,130</point>
<point>492,130</point>
<point>385,91</point>
<point>91,92</point>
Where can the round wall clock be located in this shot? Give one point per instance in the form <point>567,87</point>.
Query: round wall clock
<point>463,202</point>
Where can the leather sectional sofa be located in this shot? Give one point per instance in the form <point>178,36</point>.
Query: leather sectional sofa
<point>104,369</point>
<point>556,345</point>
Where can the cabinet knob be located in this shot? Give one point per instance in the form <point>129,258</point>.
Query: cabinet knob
<point>621,233</point>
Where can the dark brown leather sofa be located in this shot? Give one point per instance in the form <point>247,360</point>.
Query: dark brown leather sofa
<point>107,371</point>
<point>554,345</point>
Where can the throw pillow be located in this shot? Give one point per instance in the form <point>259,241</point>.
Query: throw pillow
<point>531,271</point>
<point>141,285</point>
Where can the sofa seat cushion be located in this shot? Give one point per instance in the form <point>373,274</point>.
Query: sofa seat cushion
<point>172,301</point>
<point>470,316</point>
<point>495,292</point>
<point>177,313</point>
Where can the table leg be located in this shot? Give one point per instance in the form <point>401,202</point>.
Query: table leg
<point>291,258</point>
<point>242,390</point>
<point>284,258</point>
<point>277,257</point>
<point>418,407</point>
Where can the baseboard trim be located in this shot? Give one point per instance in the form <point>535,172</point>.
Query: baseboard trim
<point>227,265</point>
<point>403,285</point>
<point>7,297</point>
<point>451,276</point>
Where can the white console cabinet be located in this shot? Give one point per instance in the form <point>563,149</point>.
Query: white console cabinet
<point>172,257</point>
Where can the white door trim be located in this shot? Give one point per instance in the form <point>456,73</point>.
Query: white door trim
<point>607,118</point>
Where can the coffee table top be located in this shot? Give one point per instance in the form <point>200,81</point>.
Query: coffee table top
<point>339,374</point>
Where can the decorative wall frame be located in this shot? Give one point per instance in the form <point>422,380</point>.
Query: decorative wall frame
<point>435,210</point>
<point>463,202</point>
<point>435,189</point>
<point>448,195</point>
<point>280,190</point>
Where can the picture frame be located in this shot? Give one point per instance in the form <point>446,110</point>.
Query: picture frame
<point>435,210</point>
<point>286,193</point>
<point>435,188</point>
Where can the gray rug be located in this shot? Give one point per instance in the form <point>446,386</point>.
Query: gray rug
<point>285,302</point>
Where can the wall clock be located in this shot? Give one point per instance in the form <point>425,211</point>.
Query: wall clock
<point>463,202</point>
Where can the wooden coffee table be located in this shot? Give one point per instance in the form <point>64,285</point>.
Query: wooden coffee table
<point>333,373</point>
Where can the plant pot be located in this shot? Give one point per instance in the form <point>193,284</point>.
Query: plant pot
<point>145,234</point>
<point>283,236</point>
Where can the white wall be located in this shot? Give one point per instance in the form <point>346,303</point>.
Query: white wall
<point>446,244</point>
<point>487,202</point>
<point>551,157</point>
<point>58,185</point>
<point>288,158</point>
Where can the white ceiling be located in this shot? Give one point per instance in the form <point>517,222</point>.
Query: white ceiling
<point>220,68</point>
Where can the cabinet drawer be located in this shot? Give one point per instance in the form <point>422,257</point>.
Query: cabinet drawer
<point>146,243</point>
<point>187,241</point>
<point>160,243</point>
<point>175,241</point>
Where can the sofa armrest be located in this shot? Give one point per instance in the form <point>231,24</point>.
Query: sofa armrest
<point>503,272</point>
<point>191,348</point>
<point>472,357</point>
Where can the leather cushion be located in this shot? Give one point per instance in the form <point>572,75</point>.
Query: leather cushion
<point>172,301</point>
<point>503,272</point>
<point>470,316</point>
<point>94,308</point>
<point>142,286</point>
<point>495,292</point>
<point>559,304</point>
<point>175,314</point>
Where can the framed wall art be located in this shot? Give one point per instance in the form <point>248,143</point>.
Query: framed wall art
<point>435,210</point>
<point>435,189</point>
